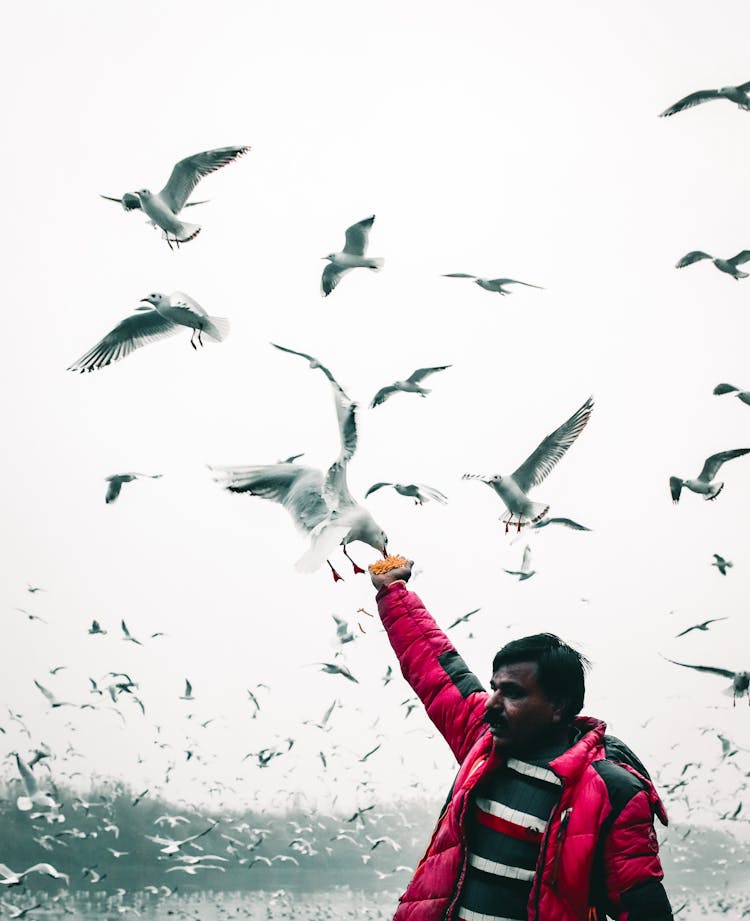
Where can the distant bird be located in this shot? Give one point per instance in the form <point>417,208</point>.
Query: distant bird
<point>13,878</point>
<point>496,285</point>
<point>29,615</point>
<point>742,395</point>
<point>352,256</point>
<point>721,564</point>
<point>321,506</point>
<point>740,680</point>
<point>704,483</point>
<point>370,752</point>
<point>513,489</point>
<point>16,912</point>
<point>331,668</point>
<point>343,633</point>
<point>464,618</point>
<point>117,479</point>
<point>410,385</point>
<point>33,589</point>
<point>164,207</point>
<point>323,724</point>
<point>314,363</point>
<point>55,703</point>
<point>417,491</point>
<point>171,846</point>
<point>188,695</point>
<point>162,315</point>
<point>735,94</point>
<point>127,635</point>
<point>96,628</point>
<point>388,676</point>
<point>33,797</point>
<point>566,522</point>
<point>702,626</point>
<point>525,572</point>
<point>723,265</point>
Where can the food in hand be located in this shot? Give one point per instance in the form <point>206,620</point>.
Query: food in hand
<point>389,563</point>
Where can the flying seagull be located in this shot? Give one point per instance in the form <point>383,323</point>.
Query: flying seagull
<point>497,285</point>
<point>463,618</point>
<point>13,878</point>
<point>314,363</point>
<point>721,564</point>
<point>410,385</point>
<point>352,256</point>
<point>331,668</point>
<point>164,207</point>
<point>742,395</point>
<point>160,316</point>
<point>513,489</point>
<point>117,479</point>
<point>417,491</point>
<point>525,572</point>
<point>322,506</point>
<point>740,680</point>
<point>32,796</point>
<point>704,484</point>
<point>736,94</point>
<point>702,626</point>
<point>723,265</point>
<point>188,695</point>
<point>566,522</point>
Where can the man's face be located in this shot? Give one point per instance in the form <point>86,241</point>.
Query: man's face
<point>522,720</point>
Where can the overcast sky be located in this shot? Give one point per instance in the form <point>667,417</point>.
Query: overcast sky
<point>498,139</point>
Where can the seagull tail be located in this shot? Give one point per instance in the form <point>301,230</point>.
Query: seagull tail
<point>216,328</point>
<point>376,264</point>
<point>535,513</point>
<point>24,803</point>
<point>185,232</point>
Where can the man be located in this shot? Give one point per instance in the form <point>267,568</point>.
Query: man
<point>548,819</point>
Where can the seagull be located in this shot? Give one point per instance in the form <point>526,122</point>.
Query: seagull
<point>343,633</point>
<point>188,695</point>
<point>321,506</point>
<point>54,702</point>
<point>721,564</point>
<point>160,316</point>
<point>464,618</point>
<point>417,491</point>
<point>314,363</point>
<point>742,395</point>
<point>164,207</point>
<point>96,628</point>
<point>323,724</point>
<point>704,484</point>
<point>723,265</point>
<point>410,385</point>
<point>351,257</point>
<point>702,626</point>
<point>33,797</point>
<point>525,572</point>
<point>19,912</point>
<point>127,635</point>
<point>11,878</point>
<point>736,94</point>
<point>740,680</point>
<point>32,589</point>
<point>117,479</point>
<point>513,489</point>
<point>492,284</point>
<point>172,846</point>
<point>331,668</point>
<point>566,522</point>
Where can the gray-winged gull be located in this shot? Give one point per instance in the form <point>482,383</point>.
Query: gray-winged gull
<point>497,285</point>
<point>116,480</point>
<point>352,256</point>
<point>736,94</point>
<point>525,572</point>
<point>417,491</point>
<point>721,564</point>
<point>164,207</point>
<point>410,385</point>
<point>704,483</point>
<point>723,265</point>
<point>742,395</point>
<point>740,680</point>
<point>513,489</point>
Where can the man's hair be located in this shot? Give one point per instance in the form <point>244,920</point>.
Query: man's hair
<point>560,668</point>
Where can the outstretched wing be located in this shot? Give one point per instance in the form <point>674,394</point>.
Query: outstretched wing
<point>129,201</point>
<point>335,488</point>
<point>724,672</point>
<point>296,487</point>
<point>421,373</point>
<point>188,173</point>
<point>713,464</point>
<point>719,389</point>
<point>458,275</point>
<point>511,281</point>
<point>375,487</point>
<point>687,102</point>
<point>675,487</point>
<point>133,332</point>
<point>382,395</point>
<point>695,255</point>
<point>331,276</point>
<point>567,522</point>
<point>536,467</point>
<point>357,236</point>
<point>314,363</point>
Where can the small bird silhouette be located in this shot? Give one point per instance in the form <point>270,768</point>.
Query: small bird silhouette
<point>704,625</point>
<point>417,491</point>
<point>496,285</point>
<point>723,265</point>
<point>735,94</point>
<point>117,479</point>
<point>525,572</point>
<point>410,385</point>
<point>704,483</point>
<point>721,564</point>
<point>742,395</point>
<point>464,618</point>
<point>352,256</point>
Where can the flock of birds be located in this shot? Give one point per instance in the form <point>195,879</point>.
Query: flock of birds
<point>318,501</point>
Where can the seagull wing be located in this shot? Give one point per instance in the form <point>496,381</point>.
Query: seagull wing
<point>567,522</point>
<point>113,489</point>
<point>526,559</point>
<point>133,332</point>
<point>331,276</point>
<point>536,467</point>
<point>719,389</point>
<point>675,487</point>
<point>335,488</point>
<point>421,373</point>
<point>375,487</point>
<point>357,235</point>
<point>458,275</point>
<point>740,258</point>
<point>511,281</point>
<point>713,464</point>
<point>687,102</point>
<point>382,395</point>
<point>188,173</point>
<point>180,299</point>
<point>724,672</point>
<point>312,360</point>
<point>47,693</point>
<point>128,201</point>
<point>27,777</point>
<point>298,488</point>
<point>188,688</point>
<point>433,493</point>
<point>695,255</point>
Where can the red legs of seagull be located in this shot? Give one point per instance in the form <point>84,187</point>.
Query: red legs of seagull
<point>336,576</point>
<point>357,569</point>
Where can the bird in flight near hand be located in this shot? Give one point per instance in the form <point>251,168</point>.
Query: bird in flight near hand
<point>163,208</point>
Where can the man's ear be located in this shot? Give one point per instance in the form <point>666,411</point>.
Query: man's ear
<point>558,711</point>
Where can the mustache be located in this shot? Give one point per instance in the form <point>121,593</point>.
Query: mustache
<point>494,720</point>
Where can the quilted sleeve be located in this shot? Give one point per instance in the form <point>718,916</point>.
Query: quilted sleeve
<point>452,695</point>
<point>632,868</point>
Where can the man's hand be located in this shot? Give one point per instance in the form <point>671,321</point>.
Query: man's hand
<point>403,574</point>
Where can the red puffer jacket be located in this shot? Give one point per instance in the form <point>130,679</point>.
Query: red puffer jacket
<point>599,852</point>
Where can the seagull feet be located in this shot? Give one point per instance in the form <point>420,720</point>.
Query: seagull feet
<point>336,576</point>
<point>192,341</point>
<point>357,569</point>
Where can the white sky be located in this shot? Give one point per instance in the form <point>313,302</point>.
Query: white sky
<point>500,139</point>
